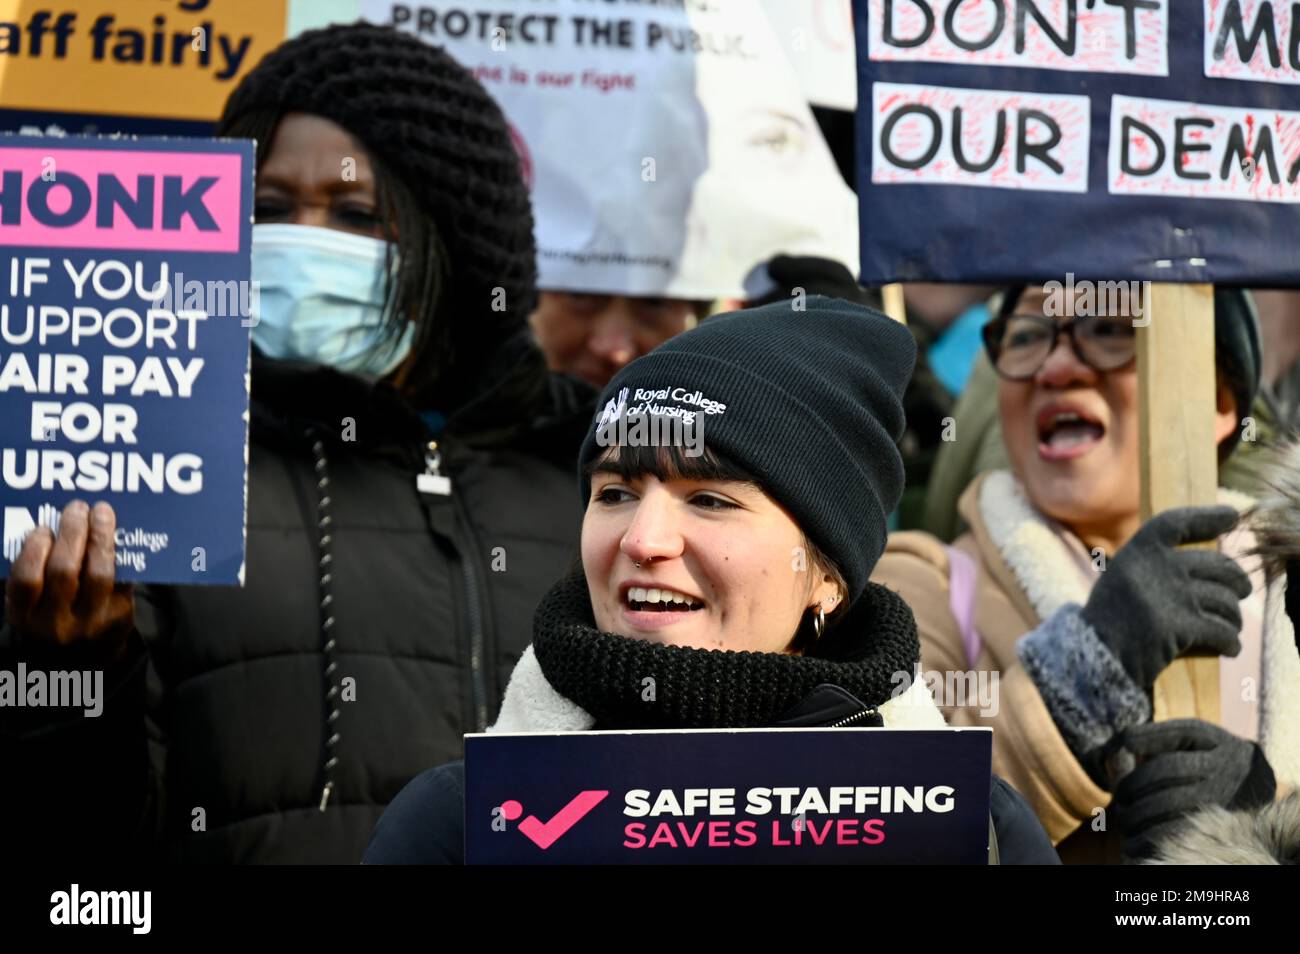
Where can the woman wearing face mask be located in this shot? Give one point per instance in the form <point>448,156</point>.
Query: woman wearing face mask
<point>737,576</point>
<point>408,493</point>
<point>1068,607</point>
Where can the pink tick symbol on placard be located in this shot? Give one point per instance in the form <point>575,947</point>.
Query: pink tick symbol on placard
<point>544,834</point>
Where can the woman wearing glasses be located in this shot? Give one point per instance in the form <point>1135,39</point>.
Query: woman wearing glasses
<point>1052,616</point>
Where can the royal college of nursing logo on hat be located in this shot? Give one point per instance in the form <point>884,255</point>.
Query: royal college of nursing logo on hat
<point>652,423</point>
<point>613,409</point>
<point>685,404</point>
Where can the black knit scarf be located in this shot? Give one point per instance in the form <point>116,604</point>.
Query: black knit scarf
<point>711,688</point>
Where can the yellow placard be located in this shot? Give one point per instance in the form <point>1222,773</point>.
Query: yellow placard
<point>170,59</point>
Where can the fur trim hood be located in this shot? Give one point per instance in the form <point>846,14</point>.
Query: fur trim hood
<point>1214,836</point>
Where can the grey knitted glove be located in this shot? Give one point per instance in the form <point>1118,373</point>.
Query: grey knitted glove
<point>1090,696</point>
<point>1156,602</point>
<point>1184,765</point>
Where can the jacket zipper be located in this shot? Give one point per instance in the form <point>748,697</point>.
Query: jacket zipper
<point>856,717</point>
<point>477,629</point>
<point>477,680</point>
<point>432,481</point>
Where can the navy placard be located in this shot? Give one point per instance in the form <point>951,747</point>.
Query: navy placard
<point>125,313</point>
<point>1118,139</point>
<point>741,796</point>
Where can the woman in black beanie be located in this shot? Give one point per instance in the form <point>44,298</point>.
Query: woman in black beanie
<point>731,561</point>
<point>408,493</point>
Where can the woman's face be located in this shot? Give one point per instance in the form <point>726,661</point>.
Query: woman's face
<point>316,173</point>
<point>1072,435</point>
<point>727,563</point>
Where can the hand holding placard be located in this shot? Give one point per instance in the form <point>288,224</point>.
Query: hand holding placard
<point>62,591</point>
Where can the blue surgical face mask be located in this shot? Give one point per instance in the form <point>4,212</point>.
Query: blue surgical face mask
<point>321,299</point>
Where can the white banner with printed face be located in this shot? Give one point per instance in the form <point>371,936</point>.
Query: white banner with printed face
<point>669,151</point>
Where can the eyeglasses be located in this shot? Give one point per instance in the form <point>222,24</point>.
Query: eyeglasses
<point>1018,345</point>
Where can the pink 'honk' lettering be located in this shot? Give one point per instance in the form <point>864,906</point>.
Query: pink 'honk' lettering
<point>111,199</point>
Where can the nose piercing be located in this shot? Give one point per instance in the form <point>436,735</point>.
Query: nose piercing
<point>637,565</point>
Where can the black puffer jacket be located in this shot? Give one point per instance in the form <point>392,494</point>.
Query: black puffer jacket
<point>378,624</point>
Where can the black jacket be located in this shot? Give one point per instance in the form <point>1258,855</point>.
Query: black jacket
<point>378,624</point>
<point>425,824</point>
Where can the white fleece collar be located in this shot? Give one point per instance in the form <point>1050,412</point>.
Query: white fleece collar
<point>532,704</point>
<point>1034,547</point>
<point>1035,550</point>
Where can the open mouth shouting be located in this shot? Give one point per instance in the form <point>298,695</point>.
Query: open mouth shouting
<point>1067,431</point>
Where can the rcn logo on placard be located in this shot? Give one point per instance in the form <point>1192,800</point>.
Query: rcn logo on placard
<point>19,523</point>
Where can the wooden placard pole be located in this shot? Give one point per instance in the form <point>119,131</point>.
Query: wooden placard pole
<point>1179,466</point>
<point>891,297</point>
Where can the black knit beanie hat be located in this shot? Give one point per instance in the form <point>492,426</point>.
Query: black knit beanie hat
<point>434,126</point>
<point>1237,345</point>
<point>1238,348</point>
<point>810,402</point>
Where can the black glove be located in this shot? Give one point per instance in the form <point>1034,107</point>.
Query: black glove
<point>1183,765</point>
<point>1155,602</point>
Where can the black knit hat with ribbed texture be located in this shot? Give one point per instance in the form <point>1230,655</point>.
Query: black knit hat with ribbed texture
<point>437,129</point>
<point>810,402</point>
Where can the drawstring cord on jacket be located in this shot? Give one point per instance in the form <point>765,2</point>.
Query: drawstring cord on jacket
<point>329,645</point>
